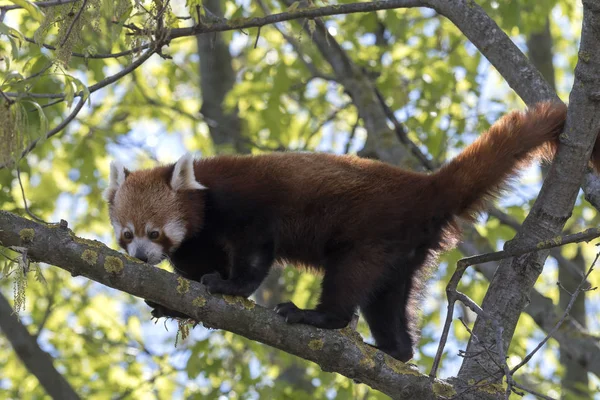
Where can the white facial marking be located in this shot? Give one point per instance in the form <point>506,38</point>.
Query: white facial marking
<point>116,179</point>
<point>183,175</point>
<point>150,228</point>
<point>118,228</point>
<point>175,231</point>
<point>145,247</point>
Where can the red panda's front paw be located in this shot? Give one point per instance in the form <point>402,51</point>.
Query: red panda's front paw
<point>216,285</point>
<point>159,311</point>
<point>213,282</point>
<point>290,312</point>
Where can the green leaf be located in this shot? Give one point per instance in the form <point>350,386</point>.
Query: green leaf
<point>14,48</point>
<point>12,75</point>
<point>80,87</point>
<point>31,8</point>
<point>8,31</point>
<point>69,91</point>
<point>42,115</point>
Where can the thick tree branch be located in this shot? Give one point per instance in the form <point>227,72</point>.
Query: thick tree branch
<point>572,337</point>
<point>508,293</point>
<point>341,351</point>
<point>36,360</point>
<point>463,264</point>
<point>217,78</point>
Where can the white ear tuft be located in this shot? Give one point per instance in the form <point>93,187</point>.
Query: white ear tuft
<point>118,173</point>
<point>183,175</point>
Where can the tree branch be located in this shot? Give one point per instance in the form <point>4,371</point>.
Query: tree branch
<point>37,361</point>
<point>342,351</point>
<point>41,4</point>
<point>508,292</point>
<point>463,264</point>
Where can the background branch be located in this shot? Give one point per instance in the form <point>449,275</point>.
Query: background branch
<point>37,361</point>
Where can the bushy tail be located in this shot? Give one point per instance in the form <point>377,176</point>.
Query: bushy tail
<point>510,145</point>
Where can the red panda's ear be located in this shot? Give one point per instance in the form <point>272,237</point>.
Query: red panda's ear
<point>118,174</point>
<point>183,177</point>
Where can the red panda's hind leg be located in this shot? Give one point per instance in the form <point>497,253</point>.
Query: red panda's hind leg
<point>319,319</point>
<point>389,318</point>
<point>347,282</point>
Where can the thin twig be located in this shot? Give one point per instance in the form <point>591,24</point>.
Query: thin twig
<point>32,215</point>
<point>297,47</point>
<point>533,392</point>
<point>79,106</point>
<point>41,4</point>
<point>485,348</point>
<point>327,120</point>
<point>257,37</point>
<point>64,40</point>
<point>97,55</point>
<point>461,266</point>
<point>9,101</point>
<point>352,135</point>
<point>578,290</point>
<point>47,313</point>
<point>402,134</point>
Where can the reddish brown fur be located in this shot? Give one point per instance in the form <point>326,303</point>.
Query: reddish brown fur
<point>371,227</point>
<point>510,145</point>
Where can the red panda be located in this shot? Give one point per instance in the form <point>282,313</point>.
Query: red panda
<point>372,228</point>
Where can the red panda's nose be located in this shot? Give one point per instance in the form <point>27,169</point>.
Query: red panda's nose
<point>141,256</point>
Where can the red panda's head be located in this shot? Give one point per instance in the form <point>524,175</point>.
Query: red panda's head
<point>151,210</point>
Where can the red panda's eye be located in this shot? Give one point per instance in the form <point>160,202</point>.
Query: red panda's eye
<point>153,235</point>
<point>128,235</point>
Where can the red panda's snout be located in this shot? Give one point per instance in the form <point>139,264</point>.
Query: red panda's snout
<point>146,208</point>
<point>149,242</point>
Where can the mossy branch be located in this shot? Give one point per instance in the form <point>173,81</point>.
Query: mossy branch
<point>341,351</point>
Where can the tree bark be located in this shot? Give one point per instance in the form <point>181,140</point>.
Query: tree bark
<point>509,290</point>
<point>217,78</point>
<point>539,47</point>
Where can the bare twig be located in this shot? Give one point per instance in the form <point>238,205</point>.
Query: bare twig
<point>352,135</point>
<point>402,134</point>
<point>8,100</point>
<point>332,115</point>
<point>32,215</point>
<point>297,47</point>
<point>81,102</point>
<point>257,37</point>
<point>75,19</point>
<point>41,4</point>
<point>581,287</point>
<point>453,294</point>
<point>97,55</point>
<point>533,392</point>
